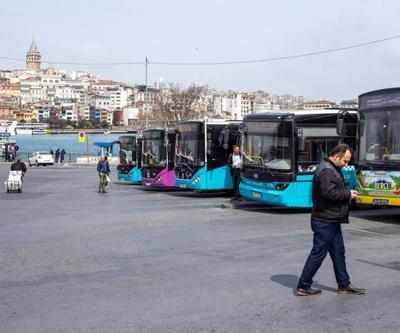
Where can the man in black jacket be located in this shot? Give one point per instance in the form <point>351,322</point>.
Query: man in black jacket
<point>331,202</point>
<point>18,166</point>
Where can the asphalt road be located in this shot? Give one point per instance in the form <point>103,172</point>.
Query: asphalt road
<point>73,260</point>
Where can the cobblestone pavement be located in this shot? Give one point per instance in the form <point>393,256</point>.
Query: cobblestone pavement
<point>73,260</point>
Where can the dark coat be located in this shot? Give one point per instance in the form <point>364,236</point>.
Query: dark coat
<point>103,167</point>
<point>18,166</point>
<point>331,199</point>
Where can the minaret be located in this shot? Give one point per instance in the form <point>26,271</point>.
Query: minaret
<point>33,58</point>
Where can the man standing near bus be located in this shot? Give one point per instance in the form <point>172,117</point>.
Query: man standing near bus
<point>103,169</point>
<point>235,163</point>
<point>331,201</point>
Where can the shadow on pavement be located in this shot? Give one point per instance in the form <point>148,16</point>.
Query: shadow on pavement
<point>290,281</point>
<point>389,215</point>
<point>252,206</point>
<point>395,265</point>
<point>195,194</point>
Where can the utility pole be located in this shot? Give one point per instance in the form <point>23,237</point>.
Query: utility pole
<point>196,79</point>
<point>145,96</point>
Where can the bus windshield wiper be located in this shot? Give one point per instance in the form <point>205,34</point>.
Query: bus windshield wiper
<point>189,158</point>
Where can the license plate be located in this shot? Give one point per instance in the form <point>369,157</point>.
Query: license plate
<point>256,195</point>
<point>380,202</point>
<point>182,186</point>
<point>148,184</point>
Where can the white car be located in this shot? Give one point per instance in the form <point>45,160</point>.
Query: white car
<point>41,158</point>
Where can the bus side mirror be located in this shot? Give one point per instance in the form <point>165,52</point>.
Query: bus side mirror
<point>339,126</point>
<point>301,143</point>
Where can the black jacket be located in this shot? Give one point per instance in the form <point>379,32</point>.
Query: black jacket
<point>330,198</point>
<point>18,166</point>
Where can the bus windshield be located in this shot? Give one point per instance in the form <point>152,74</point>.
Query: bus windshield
<point>154,150</point>
<point>190,144</point>
<point>268,144</point>
<point>380,137</point>
<point>127,150</point>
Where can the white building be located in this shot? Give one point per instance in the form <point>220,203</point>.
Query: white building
<point>318,105</point>
<point>32,91</point>
<point>129,114</point>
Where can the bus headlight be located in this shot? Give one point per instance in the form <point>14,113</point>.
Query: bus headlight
<point>159,179</point>
<point>281,187</point>
<point>196,180</point>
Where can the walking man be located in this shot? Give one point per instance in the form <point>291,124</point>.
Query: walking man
<point>331,202</point>
<point>103,169</point>
<point>62,155</point>
<point>235,162</point>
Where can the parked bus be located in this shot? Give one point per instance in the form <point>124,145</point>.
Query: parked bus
<point>281,151</point>
<point>129,168</point>
<point>378,162</point>
<point>158,156</point>
<point>202,151</point>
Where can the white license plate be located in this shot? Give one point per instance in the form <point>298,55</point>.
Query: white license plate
<point>148,184</point>
<point>256,195</point>
<point>182,186</point>
<point>380,202</point>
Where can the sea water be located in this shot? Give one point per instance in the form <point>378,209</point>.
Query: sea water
<point>30,143</point>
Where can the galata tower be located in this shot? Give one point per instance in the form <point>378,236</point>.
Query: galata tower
<point>33,58</point>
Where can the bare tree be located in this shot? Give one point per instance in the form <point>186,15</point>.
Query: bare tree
<point>177,104</point>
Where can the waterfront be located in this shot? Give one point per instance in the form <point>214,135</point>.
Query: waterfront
<point>73,260</point>
<point>30,143</point>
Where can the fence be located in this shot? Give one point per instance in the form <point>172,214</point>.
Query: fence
<point>68,158</point>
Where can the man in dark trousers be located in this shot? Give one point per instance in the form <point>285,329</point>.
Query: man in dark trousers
<point>103,169</point>
<point>235,163</point>
<point>331,202</point>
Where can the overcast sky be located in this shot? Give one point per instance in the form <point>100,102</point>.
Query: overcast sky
<point>212,30</point>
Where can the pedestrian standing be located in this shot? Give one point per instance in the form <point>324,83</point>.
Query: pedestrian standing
<point>62,155</point>
<point>331,201</point>
<point>103,168</point>
<point>57,155</point>
<point>235,163</point>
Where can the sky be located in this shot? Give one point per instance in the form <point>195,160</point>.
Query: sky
<point>215,31</point>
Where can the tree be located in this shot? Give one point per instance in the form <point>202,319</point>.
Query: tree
<point>177,104</point>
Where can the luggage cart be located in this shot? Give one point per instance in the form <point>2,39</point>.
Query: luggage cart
<point>14,182</point>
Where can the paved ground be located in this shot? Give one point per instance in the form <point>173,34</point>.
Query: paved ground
<point>73,260</point>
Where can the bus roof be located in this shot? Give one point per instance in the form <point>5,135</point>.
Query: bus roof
<point>212,121</point>
<point>296,113</point>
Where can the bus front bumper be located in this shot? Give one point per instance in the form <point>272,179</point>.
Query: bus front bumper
<point>286,198</point>
<point>378,201</point>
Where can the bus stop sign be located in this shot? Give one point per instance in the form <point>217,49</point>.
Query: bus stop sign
<point>82,137</point>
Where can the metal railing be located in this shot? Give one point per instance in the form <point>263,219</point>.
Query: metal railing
<point>24,156</point>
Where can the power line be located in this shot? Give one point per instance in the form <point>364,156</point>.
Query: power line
<point>302,55</point>
<point>217,63</point>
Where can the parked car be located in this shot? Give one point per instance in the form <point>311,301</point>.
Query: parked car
<point>41,158</point>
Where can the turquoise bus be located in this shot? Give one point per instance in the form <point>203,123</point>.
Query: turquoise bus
<point>282,149</point>
<point>202,150</point>
<point>130,152</point>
